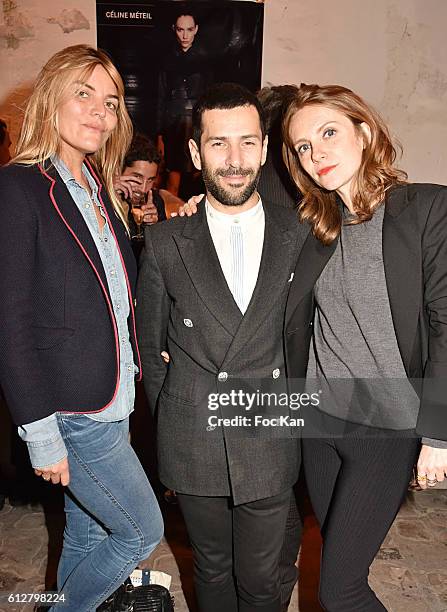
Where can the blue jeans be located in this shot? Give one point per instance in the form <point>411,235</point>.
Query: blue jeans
<point>112,516</point>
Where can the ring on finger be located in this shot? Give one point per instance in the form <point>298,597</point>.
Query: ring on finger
<point>432,482</point>
<point>46,477</point>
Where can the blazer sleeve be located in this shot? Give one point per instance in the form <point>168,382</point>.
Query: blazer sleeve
<point>21,376</point>
<point>153,305</point>
<point>432,420</point>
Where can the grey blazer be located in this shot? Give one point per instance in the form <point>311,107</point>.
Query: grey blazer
<point>184,306</point>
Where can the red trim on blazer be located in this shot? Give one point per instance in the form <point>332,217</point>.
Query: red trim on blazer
<point>115,330</point>
<point>129,292</point>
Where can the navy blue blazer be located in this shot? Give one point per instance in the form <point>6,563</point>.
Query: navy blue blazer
<point>59,346</point>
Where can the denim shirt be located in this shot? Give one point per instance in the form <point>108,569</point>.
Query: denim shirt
<point>45,444</point>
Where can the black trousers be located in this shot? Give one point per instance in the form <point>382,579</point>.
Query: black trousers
<point>356,482</point>
<point>236,551</point>
<point>288,571</point>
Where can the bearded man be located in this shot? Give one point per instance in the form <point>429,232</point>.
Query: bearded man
<point>212,293</point>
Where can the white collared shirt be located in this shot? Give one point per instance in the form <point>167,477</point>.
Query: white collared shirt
<point>252,224</point>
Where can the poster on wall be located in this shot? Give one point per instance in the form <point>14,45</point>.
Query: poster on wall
<point>169,51</point>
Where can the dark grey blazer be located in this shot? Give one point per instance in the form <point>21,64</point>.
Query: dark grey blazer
<point>184,306</point>
<point>415,262</point>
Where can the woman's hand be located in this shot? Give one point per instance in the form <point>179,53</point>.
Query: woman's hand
<point>190,208</point>
<point>59,472</point>
<point>432,466</point>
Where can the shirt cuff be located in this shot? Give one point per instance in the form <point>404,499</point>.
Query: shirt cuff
<point>434,443</point>
<point>45,444</point>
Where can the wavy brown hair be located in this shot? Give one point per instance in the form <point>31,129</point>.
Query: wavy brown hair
<point>375,176</point>
<point>39,137</point>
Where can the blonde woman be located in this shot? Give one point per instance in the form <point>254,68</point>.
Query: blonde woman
<point>367,318</point>
<point>69,352</point>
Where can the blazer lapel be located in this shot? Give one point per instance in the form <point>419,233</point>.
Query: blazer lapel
<point>400,254</point>
<point>200,259</point>
<point>311,261</point>
<point>73,220</point>
<point>278,252</point>
<point>118,229</point>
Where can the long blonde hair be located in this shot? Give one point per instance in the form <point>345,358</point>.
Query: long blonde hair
<point>375,176</point>
<point>39,137</point>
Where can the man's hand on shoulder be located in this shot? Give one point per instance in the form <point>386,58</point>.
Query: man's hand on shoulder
<point>190,208</point>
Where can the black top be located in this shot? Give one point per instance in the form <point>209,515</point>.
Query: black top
<point>275,183</point>
<point>183,78</point>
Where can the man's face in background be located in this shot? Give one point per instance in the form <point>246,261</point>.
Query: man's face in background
<point>185,30</point>
<point>144,172</point>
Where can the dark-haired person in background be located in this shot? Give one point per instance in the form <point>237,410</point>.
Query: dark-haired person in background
<point>275,183</point>
<point>140,171</point>
<point>185,74</point>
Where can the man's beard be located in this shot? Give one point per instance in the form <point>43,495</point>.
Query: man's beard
<point>230,196</point>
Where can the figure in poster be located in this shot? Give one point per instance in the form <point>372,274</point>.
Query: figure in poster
<point>185,74</point>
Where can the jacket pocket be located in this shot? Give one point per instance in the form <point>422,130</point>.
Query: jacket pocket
<point>48,337</point>
<point>173,395</point>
